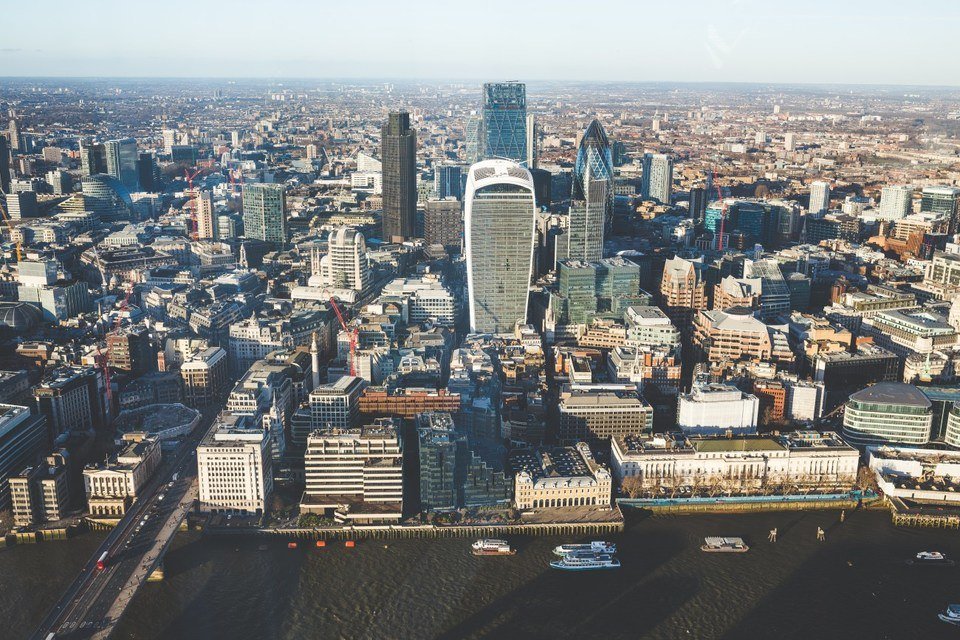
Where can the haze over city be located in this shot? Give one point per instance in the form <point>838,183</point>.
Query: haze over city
<point>850,42</point>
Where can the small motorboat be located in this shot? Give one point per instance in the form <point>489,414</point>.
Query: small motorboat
<point>931,558</point>
<point>724,545</point>
<point>951,615</point>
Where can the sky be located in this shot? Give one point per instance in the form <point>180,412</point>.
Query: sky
<point>769,41</point>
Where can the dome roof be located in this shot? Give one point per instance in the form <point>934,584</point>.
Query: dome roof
<point>19,316</point>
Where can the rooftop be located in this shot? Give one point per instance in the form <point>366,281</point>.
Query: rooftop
<point>894,393</point>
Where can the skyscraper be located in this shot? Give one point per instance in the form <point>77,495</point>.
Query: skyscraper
<point>147,172</point>
<point>532,131</point>
<point>206,216</point>
<point>399,156</point>
<point>500,228</point>
<point>447,181</point>
<point>264,212</point>
<point>944,201</point>
<point>698,204</point>
<point>591,206</point>
<point>121,158</point>
<point>895,202</point>
<point>4,164</point>
<point>657,179</point>
<point>819,196</point>
<point>504,127</point>
<point>473,139</point>
<point>14,129</point>
<point>93,158</point>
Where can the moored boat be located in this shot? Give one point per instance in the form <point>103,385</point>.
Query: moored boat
<point>951,615</point>
<point>724,545</point>
<point>490,547</point>
<point>597,546</point>
<point>585,562</point>
<point>934,558</point>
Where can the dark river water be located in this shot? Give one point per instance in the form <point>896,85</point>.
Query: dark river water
<point>853,585</point>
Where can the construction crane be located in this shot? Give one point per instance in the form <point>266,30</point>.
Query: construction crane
<point>350,332</point>
<point>193,201</point>
<point>723,212</point>
<point>9,223</point>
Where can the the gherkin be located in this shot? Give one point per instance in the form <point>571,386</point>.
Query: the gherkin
<point>591,207</point>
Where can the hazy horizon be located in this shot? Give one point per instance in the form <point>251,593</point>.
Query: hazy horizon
<point>697,41</point>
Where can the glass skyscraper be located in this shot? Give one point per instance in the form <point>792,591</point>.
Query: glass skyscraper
<point>264,212</point>
<point>500,221</point>
<point>591,206</point>
<point>473,143</point>
<point>121,158</point>
<point>399,157</point>
<point>504,128</point>
<point>657,179</point>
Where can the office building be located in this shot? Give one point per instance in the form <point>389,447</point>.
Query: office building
<point>735,334</point>
<point>717,409</point>
<point>112,486</point>
<point>888,413</point>
<point>131,350</point>
<point>40,493</point>
<point>4,164</point>
<point>169,139</point>
<point>206,375</point>
<point>335,405</point>
<point>399,157</point>
<point>819,197</point>
<point>234,470</point>
<point>355,473</point>
<point>22,204</point>
<point>443,453</point>
<point>105,196</point>
<point>22,436</point>
<point>943,201</point>
<point>448,181</point>
<point>473,139</point>
<point>596,415</point>
<point>121,158</point>
<point>661,463</point>
<point>504,126</point>
<point>588,290</point>
<point>683,291</point>
<point>533,140</point>
<point>443,223</point>
<point>93,159</point>
<point>895,202</point>
<point>71,399</point>
<point>206,216</point>
<point>560,477</point>
<point>500,238</point>
<point>591,207</point>
<point>264,213</point>
<point>345,265</point>
<point>148,174</point>
<point>407,402</point>
<point>698,204</point>
<point>657,178</point>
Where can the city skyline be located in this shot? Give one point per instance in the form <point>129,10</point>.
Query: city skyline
<point>721,43</point>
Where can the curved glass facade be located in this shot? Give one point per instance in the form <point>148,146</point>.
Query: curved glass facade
<point>106,196</point>
<point>879,423</point>
<point>591,208</point>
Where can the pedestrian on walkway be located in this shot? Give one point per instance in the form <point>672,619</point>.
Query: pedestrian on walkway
<point>843,515</point>
<point>821,536</point>
<point>773,535</point>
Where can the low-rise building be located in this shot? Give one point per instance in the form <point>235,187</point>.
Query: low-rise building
<point>888,413</point>
<point>711,409</point>
<point>694,466</point>
<point>40,493</point>
<point>559,477</point>
<point>22,435</point>
<point>112,486</point>
<point>598,414</point>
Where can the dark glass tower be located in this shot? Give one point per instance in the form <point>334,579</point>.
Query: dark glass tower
<point>4,165</point>
<point>504,126</point>
<point>399,156</point>
<point>591,207</point>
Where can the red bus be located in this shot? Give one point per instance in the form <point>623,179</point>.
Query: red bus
<point>102,561</point>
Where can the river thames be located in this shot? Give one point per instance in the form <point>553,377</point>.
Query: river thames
<point>855,584</point>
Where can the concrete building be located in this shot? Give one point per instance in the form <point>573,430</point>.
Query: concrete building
<point>888,413</point>
<point>559,477</point>
<point>40,493</point>
<point>683,291</point>
<point>819,197</point>
<point>355,473</point>
<point>234,468</point>
<point>345,265</point>
<point>599,415</point>
<point>206,375</point>
<point>112,486</point>
<point>736,335</point>
<point>399,157</point>
<point>206,216</point>
<point>22,435</point>
<point>717,409</point>
<point>895,202</point>
<point>443,223</point>
<point>657,178</point>
<point>265,213</point>
<point>741,464</point>
<point>334,405</point>
<point>71,399</point>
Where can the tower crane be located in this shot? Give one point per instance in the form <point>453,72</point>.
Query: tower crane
<point>352,333</point>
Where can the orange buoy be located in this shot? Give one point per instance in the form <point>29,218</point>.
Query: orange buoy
<point>349,544</point>
<point>321,543</point>
<point>291,545</point>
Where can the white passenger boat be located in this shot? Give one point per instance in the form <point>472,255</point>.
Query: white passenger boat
<point>951,615</point>
<point>490,547</point>
<point>585,562</point>
<point>724,545</point>
<point>597,546</point>
<point>934,558</point>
